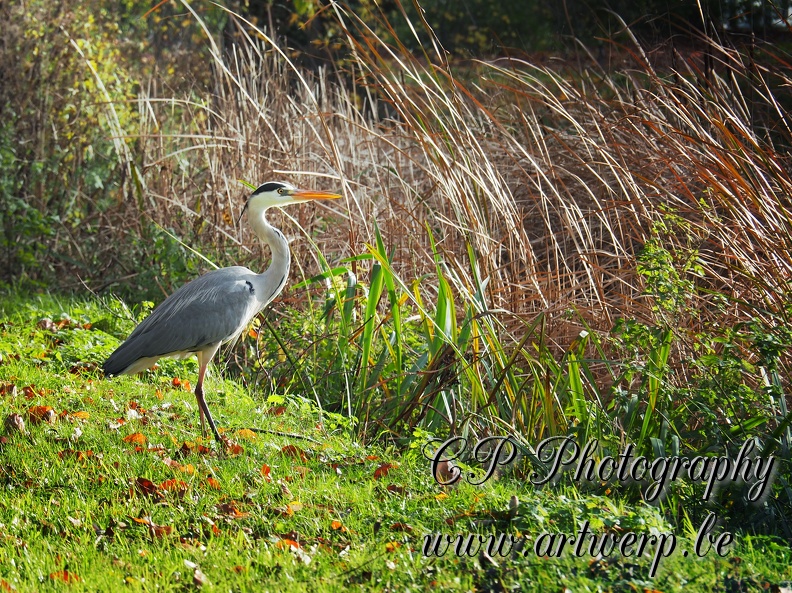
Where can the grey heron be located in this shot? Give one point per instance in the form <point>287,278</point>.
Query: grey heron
<point>216,307</point>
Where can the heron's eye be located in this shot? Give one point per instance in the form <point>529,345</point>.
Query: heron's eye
<point>281,190</point>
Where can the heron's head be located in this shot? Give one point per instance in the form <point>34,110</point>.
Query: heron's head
<point>279,193</point>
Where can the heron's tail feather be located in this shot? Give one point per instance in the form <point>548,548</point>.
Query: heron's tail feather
<point>127,359</point>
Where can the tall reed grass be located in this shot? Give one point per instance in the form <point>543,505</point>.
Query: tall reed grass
<point>495,217</point>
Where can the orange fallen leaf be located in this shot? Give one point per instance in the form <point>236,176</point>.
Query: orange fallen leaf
<point>80,415</point>
<point>65,576</point>
<point>336,524</point>
<point>234,449</point>
<point>392,546</point>
<point>276,410</point>
<point>174,485</point>
<point>38,414</point>
<point>135,437</point>
<point>265,471</point>
<point>284,544</point>
<point>247,434</point>
<point>213,483</point>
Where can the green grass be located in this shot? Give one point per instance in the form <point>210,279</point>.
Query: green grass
<point>143,516</point>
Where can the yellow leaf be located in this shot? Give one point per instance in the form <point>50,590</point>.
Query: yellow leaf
<point>247,434</point>
<point>136,437</point>
<point>441,496</point>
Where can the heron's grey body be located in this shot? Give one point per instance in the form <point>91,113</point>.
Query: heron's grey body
<point>222,302</point>
<point>218,306</point>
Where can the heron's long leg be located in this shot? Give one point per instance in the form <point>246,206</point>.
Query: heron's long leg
<point>203,409</point>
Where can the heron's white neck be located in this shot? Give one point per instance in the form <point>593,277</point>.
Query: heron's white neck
<point>274,278</point>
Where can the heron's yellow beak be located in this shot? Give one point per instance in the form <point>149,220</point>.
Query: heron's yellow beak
<point>303,195</point>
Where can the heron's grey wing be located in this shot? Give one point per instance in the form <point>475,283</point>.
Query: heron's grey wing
<point>209,310</point>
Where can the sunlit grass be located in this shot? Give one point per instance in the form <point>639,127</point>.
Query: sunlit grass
<point>117,492</point>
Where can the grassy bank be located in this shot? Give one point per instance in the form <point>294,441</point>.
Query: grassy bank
<point>108,486</point>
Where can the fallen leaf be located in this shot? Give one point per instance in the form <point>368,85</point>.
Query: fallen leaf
<point>135,437</point>
<point>392,546</point>
<point>50,326</point>
<point>296,452</point>
<point>233,449</point>
<point>65,576</point>
<point>6,586</point>
<point>154,530</point>
<point>336,524</point>
<point>384,469</point>
<point>229,509</point>
<point>285,544</point>
<point>78,455</point>
<point>276,411</point>
<point>8,389</point>
<point>79,415</point>
<point>29,391</point>
<point>265,471</point>
<point>39,414</point>
<point>447,474</point>
<point>394,489</point>
<point>188,448</point>
<point>213,483</point>
<point>147,487</point>
<point>199,578</point>
<point>247,434</point>
<point>174,485</point>
<point>401,527</point>
<point>83,368</point>
<point>15,423</point>
<point>301,470</point>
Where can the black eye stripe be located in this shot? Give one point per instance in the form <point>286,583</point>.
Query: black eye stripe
<point>269,186</point>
